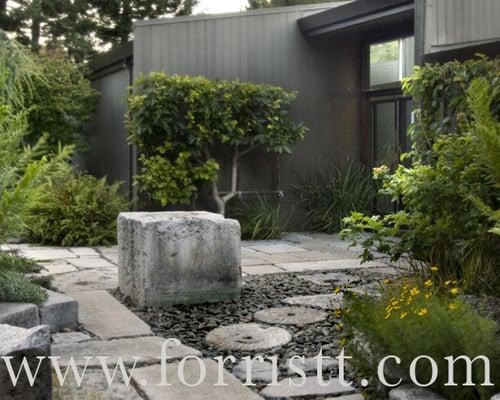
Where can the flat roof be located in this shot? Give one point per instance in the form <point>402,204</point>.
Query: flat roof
<point>355,14</point>
<point>248,13</point>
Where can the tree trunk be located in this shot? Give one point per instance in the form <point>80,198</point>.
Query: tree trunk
<point>36,20</point>
<point>233,191</point>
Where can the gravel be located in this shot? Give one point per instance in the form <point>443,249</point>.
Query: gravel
<point>192,323</point>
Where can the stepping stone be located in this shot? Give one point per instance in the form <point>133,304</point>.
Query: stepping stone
<point>107,318</point>
<point>148,380</point>
<point>45,254</point>
<point>262,270</point>
<point>96,279</point>
<point>410,392</point>
<point>70,337</point>
<point>90,262</point>
<point>84,251</point>
<point>326,265</point>
<point>56,269</point>
<point>290,316</point>
<point>94,387</point>
<point>277,248</point>
<point>310,388</point>
<point>260,371</point>
<point>320,301</point>
<point>23,315</point>
<point>247,337</point>
<point>145,349</point>
<point>310,365</point>
<point>59,312</point>
<point>26,345</point>
<point>338,279</point>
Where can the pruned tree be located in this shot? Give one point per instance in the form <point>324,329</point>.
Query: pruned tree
<point>177,122</point>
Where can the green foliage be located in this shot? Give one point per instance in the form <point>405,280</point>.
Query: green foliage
<point>18,71</point>
<point>115,18</point>
<point>260,219</point>
<point>411,320</point>
<point>61,103</point>
<point>75,210</point>
<point>450,207</point>
<point>176,181</point>
<point>176,120</point>
<point>440,94</point>
<point>330,194</point>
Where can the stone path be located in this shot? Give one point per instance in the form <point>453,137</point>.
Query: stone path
<point>107,328</point>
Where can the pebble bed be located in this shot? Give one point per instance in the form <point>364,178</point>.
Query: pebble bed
<point>192,323</point>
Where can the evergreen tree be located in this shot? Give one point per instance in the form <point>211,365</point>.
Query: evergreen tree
<point>115,18</point>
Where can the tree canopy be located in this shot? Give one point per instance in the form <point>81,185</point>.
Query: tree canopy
<point>81,26</point>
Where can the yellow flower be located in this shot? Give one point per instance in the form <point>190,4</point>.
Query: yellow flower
<point>452,306</point>
<point>428,283</point>
<point>403,315</point>
<point>434,268</point>
<point>454,291</point>
<point>387,281</point>
<point>415,291</point>
<point>388,315</point>
<point>447,283</point>
<point>422,312</point>
<point>428,296</point>
<point>337,290</point>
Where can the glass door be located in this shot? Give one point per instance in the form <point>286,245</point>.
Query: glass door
<point>390,119</point>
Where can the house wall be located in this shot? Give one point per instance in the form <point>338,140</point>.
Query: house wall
<point>110,154</point>
<point>268,47</point>
<point>451,24</point>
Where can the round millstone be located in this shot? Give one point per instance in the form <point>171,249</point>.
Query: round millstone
<point>248,337</point>
<point>290,316</point>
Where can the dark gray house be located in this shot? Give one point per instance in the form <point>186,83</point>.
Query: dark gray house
<point>345,60</point>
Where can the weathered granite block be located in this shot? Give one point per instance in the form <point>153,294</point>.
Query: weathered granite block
<point>169,258</point>
<point>24,315</point>
<point>20,343</point>
<point>59,312</point>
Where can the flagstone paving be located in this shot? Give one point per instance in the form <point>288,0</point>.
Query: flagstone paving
<point>107,318</point>
<point>108,328</point>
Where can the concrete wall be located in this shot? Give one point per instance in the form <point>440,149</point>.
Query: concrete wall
<point>267,46</point>
<point>451,24</point>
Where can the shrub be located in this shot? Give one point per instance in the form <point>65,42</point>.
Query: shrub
<point>14,286</point>
<point>411,320</point>
<point>450,204</point>
<point>176,121</point>
<point>331,194</point>
<point>260,219</point>
<point>22,168</point>
<point>61,102</point>
<point>76,210</point>
<point>440,94</point>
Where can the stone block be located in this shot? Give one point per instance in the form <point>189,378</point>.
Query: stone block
<point>19,314</point>
<point>59,312</point>
<point>20,344</point>
<point>170,258</point>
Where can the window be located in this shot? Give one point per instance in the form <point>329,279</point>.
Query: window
<point>391,61</point>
